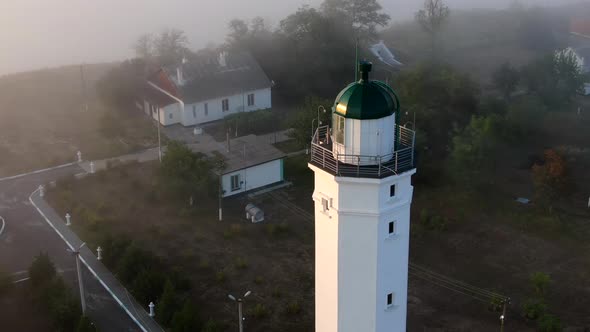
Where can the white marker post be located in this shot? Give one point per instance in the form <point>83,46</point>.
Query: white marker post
<point>41,190</point>
<point>99,253</point>
<point>152,313</point>
<point>79,155</point>
<point>68,219</point>
<point>92,167</point>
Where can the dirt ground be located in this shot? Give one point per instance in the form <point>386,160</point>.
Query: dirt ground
<point>43,122</point>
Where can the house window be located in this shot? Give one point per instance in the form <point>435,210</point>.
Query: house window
<point>194,111</point>
<point>206,109</point>
<point>251,99</point>
<point>235,182</point>
<point>225,105</point>
<point>389,300</point>
<point>170,115</point>
<point>325,205</point>
<point>392,190</point>
<point>338,123</point>
<point>391,229</point>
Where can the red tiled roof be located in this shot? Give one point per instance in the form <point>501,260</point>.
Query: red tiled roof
<point>580,26</point>
<point>155,97</point>
<point>162,79</point>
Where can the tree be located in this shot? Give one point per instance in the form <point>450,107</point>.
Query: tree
<point>364,16</point>
<point>42,271</point>
<point>238,32</point>
<point>144,46</point>
<point>119,88</point>
<point>167,305</point>
<point>550,179</point>
<point>187,319</point>
<point>171,46</point>
<point>506,79</point>
<point>306,116</point>
<point>554,78</point>
<point>432,18</point>
<point>540,282</point>
<point>473,148</point>
<point>5,283</point>
<point>185,173</point>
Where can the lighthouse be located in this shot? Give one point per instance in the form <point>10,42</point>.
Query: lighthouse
<point>362,169</point>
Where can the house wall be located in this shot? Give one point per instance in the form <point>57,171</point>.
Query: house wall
<point>254,177</point>
<point>171,114</point>
<point>237,103</point>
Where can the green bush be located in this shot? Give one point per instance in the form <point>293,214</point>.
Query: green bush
<point>260,311</point>
<point>241,263</point>
<point>212,326</point>
<point>167,305</point>
<point>534,308</point>
<point>220,277</point>
<point>540,281</point>
<point>5,283</point>
<point>549,323</point>
<point>147,284</point>
<point>187,319</point>
<point>42,271</point>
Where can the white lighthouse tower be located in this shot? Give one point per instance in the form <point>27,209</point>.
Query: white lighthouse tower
<point>363,167</point>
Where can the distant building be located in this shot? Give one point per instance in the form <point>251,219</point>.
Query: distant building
<point>207,88</point>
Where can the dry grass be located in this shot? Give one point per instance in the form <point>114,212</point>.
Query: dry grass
<point>42,121</point>
<point>231,256</point>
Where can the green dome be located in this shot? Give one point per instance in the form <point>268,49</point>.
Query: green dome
<point>366,99</point>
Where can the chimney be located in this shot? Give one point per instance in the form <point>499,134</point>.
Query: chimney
<point>179,76</point>
<point>222,59</point>
<point>365,68</point>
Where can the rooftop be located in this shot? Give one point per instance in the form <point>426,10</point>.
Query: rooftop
<point>244,152</point>
<point>218,75</point>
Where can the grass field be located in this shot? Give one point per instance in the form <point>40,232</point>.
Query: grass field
<point>43,121</point>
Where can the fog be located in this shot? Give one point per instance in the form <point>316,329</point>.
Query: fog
<point>46,33</point>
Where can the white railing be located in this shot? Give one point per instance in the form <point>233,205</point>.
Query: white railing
<point>401,160</point>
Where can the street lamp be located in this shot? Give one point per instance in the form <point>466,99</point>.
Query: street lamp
<point>80,282</point>
<point>240,316</point>
<point>318,118</point>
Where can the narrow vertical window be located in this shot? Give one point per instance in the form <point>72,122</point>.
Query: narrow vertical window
<point>389,300</point>
<point>194,111</point>
<point>235,182</point>
<point>325,205</point>
<point>225,105</point>
<point>251,99</point>
<point>206,109</point>
<point>170,115</point>
<point>392,190</point>
<point>391,227</point>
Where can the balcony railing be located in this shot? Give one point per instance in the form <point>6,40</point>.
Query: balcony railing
<point>401,160</point>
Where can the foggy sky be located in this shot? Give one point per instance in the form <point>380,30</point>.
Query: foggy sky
<point>47,33</point>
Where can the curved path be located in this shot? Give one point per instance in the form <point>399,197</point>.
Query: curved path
<point>31,233</point>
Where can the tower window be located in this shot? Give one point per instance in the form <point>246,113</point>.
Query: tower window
<point>391,227</point>
<point>206,109</point>
<point>325,205</point>
<point>338,123</point>
<point>389,300</point>
<point>392,190</point>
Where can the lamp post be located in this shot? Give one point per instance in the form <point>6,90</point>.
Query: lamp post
<point>240,315</point>
<point>80,282</point>
<point>159,139</point>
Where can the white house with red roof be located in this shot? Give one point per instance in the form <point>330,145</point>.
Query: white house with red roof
<point>207,88</point>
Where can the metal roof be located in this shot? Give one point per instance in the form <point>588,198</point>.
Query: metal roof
<point>366,99</point>
<point>207,77</point>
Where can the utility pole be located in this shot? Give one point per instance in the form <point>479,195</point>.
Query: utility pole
<point>84,94</point>
<point>240,311</point>
<point>80,281</point>
<point>159,138</point>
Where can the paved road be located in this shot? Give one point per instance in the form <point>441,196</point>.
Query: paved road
<point>26,234</point>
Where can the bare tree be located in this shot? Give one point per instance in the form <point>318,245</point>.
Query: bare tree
<point>171,46</point>
<point>144,46</point>
<point>432,18</point>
